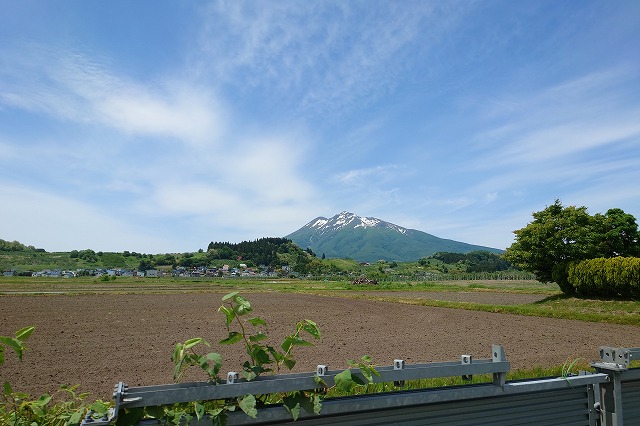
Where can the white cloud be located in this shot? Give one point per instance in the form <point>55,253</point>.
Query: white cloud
<point>58,223</point>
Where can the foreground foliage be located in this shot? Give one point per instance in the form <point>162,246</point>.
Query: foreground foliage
<point>65,407</point>
<point>263,358</point>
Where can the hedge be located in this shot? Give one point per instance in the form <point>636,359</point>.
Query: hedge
<point>617,276</point>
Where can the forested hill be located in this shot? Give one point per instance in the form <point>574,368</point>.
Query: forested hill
<point>16,246</point>
<point>263,251</point>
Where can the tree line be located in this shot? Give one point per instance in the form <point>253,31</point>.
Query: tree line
<point>475,261</point>
<point>263,251</point>
<point>16,246</point>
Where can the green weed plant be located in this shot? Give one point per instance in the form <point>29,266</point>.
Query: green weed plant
<point>248,330</point>
<point>66,407</point>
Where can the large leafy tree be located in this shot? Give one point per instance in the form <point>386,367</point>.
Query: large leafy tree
<point>618,232</point>
<point>559,235</point>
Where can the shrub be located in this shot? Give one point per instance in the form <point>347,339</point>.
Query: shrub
<point>617,276</point>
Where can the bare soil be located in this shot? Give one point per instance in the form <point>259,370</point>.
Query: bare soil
<point>98,340</point>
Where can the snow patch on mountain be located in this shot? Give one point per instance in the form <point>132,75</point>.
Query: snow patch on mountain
<point>319,223</point>
<point>345,219</point>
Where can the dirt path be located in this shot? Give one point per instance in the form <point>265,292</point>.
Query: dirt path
<point>98,340</point>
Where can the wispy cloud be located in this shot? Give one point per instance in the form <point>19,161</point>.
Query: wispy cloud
<point>366,176</point>
<point>73,87</point>
<point>324,55</point>
<point>561,121</point>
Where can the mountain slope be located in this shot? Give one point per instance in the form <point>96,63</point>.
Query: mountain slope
<point>368,239</point>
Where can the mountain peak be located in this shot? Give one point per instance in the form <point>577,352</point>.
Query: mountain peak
<point>369,239</point>
<point>348,220</point>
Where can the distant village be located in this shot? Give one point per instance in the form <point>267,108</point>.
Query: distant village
<point>202,271</point>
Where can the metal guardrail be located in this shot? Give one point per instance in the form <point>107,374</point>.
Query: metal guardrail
<point>592,399</point>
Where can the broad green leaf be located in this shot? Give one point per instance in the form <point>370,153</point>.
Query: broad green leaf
<point>248,375</point>
<point>357,380</point>
<point>7,388</point>
<point>278,356</point>
<point>289,362</point>
<point>218,416</point>
<point>234,337</point>
<point>344,381</point>
<point>316,400</point>
<point>258,337</point>
<point>292,404</point>
<point>14,344</point>
<point>229,313</point>
<point>366,359</point>
<point>24,333</point>
<point>21,395</point>
<point>215,357</point>
<point>1,355</point>
<point>37,411</point>
<point>193,342</point>
<point>256,321</point>
<point>297,341</point>
<point>178,352</point>
<point>229,296</point>
<point>293,340</point>
<point>199,409</point>
<point>248,405</point>
<point>366,372</point>
<point>260,355</point>
<point>76,417</point>
<point>43,400</point>
<point>318,380</point>
<point>243,306</point>
<point>155,412</point>
<point>253,371</point>
<point>205,363</point>
<point>99,407</point>
<point>215,412</point>
<point>311,403</point>
<point>311,328</point>
<point>177,370</point>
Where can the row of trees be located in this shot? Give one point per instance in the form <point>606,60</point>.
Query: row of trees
<point>263,251</point>
<point>475,261</point>
<point>559,237</point>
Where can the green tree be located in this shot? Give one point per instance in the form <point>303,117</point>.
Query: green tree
<point>618,232</point>
<point>145,264</point>
<point>302,263</point>
<point>559,235</point>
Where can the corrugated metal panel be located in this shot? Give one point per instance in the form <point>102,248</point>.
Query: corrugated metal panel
<point>561,407</point>
<point>631,402</point>
<point>556,407</point>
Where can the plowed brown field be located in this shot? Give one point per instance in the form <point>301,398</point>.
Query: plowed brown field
<point>98,340</point>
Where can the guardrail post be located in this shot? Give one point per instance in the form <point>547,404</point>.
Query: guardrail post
<point>614,362</point>
<point>498,355</point>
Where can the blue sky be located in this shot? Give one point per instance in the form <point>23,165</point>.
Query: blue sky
<point>159,126</point>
